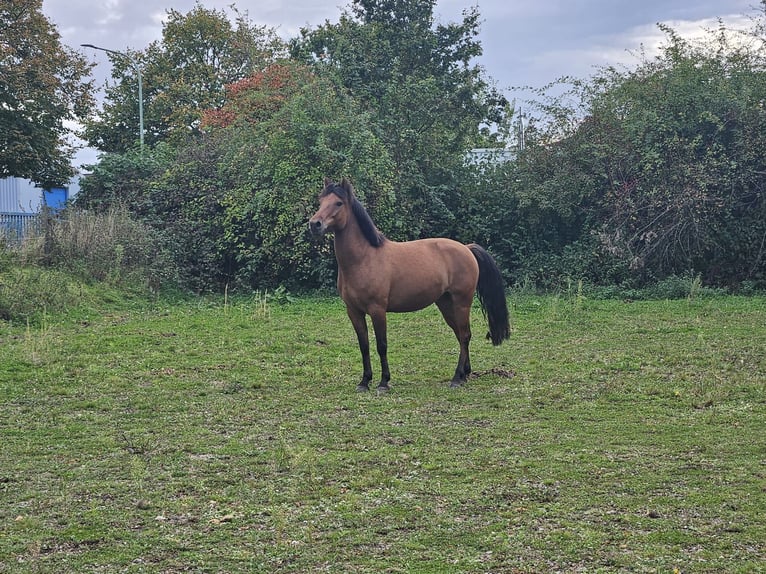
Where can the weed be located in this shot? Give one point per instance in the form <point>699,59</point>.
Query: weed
<point>261,307</point>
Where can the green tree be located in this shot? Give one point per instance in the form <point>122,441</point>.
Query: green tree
<point>126,180</point>
<point>286,130</point>
<point>184,74</point>
<point>233,203</point>
<point>427,100</point>
<point>175,191</point>
<point>637,175</point>
<point>684,191</point>
<point>42,87</point>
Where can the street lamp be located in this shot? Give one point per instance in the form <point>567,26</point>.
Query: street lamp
<point>137,68</point>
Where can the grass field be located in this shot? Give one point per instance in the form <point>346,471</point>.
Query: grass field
<point>605,436</point>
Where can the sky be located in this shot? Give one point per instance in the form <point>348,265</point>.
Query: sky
<point>525,43</point>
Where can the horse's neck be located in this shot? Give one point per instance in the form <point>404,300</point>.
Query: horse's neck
<point>351,246</point>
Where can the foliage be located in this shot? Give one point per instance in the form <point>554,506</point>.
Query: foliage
<point>183,75</point>
<point>233,203</point>
<point>631,177</point>
<point>77,251</point>
<point>28,293</point>
<point>276,164</point>
<point>214,436</point>
<point>42,87</point>
<point>234,199</point>
<point>647,173</point>
<point>686,189</point>
<point>109,247</point>
<point>125,179</point>
<point>174,191</point>
<point>427,99</point>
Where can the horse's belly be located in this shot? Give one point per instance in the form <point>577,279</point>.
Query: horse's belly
<point>411,305</point>
<point>404,301</point>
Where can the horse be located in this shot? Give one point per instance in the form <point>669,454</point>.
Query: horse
<point>377,275</point>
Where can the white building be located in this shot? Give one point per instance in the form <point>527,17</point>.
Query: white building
<point>489,156</point>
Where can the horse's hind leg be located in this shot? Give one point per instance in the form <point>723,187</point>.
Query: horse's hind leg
<point>457,315</point>
<point>359,322</point>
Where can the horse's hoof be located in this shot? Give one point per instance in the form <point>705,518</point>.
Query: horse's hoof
<point>456,384</point>
<point>382,389</point>
<point>362,388</point>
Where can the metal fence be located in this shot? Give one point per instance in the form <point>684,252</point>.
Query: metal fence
<point>15,226</point>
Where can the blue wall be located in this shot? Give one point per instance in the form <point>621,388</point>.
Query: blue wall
<point>56,197</point>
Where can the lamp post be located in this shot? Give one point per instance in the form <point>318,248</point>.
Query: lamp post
<point>137,68</point>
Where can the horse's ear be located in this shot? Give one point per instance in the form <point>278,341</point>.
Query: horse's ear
<point>327,182</point>
<point>346,184</point>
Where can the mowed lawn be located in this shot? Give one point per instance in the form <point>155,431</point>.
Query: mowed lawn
<point>604,436</point>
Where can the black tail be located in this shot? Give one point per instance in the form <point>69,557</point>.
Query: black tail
<point>491,293</point>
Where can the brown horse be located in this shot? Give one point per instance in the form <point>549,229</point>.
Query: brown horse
<point>376,275</point>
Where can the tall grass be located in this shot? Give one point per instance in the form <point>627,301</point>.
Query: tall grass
<point>110,246</point>
<point>51,268</point>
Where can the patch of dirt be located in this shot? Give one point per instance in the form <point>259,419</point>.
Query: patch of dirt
<point>504,373</point>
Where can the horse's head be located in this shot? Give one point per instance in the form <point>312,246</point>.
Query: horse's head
<point>335,203</point>
<point>337,206</point>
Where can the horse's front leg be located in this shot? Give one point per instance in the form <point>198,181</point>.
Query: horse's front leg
<point>378,316</point>
<point>359,322</point>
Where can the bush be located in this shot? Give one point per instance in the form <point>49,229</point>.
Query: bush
<point>50,271</point>
<point>688,286</point>
<point>109,247</point>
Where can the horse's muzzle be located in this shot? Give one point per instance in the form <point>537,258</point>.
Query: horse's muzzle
<point>317,227</point>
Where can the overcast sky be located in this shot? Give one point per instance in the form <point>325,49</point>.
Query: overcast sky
<point>525,42</point>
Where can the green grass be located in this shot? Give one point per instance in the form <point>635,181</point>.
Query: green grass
<point>605,436</point>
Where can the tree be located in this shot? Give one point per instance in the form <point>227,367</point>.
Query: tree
<point>42,87</point>
<point>281,132</point>
<point>184,74</point>
<point>426,98</point>
<point>233,203</point>
<point>650,172</point>
<point>684,190</point>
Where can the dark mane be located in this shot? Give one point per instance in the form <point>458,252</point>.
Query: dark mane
<point>346,193</point>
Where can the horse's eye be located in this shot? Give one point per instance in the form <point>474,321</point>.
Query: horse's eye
<point>338,204</point>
